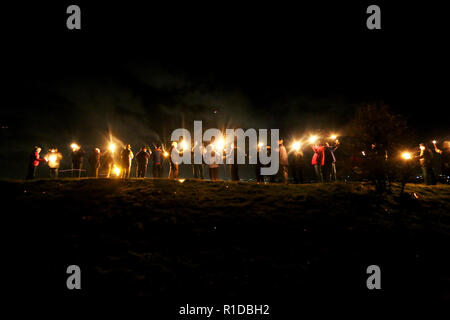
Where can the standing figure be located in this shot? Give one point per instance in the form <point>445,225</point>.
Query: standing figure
<point>142,162</point>
<point>108,162</point>
<point>33,162</point>
<point>53,158</point>
<point>233,167</point>
<point>157,159</point>
<point>297,165</point>
<point>284,161</point>
<point>258,166</point>
<point>173,170</point>
<point>318,161</point>
<point>445,159</point>
<point>126,156</point>
<point>329,173</point>
<point>214,165</point>
<point>77,160</point>
<point>425,162</point>
<point>197,168</point>
<point>94,162</point>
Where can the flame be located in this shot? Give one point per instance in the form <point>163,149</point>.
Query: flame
<point>75,147</point>
<point>406,155</point>
<point>52,158</point>
<point>166,154</point>
<point>313,139</point>
<point>116,170</point>
<point>296,146</point>
<point>220,144</point>
<point>112,147</point>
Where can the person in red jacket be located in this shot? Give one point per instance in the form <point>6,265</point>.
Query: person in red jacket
<point>33,162</point>
<point>318,160</point>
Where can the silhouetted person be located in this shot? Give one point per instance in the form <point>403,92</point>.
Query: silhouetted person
<point>297,165</point>
<point>425,162</point>
<point>284,161</point>
<point>173,169</point>
<point>33,162</point>
<point>234,168</point>
<point>197,168</point>
<point>142,162</point>
<point>329,173</point>
<point>258,166</point>
<point>53,158</point>
<point>77,161</point>
<point>445,158</point>
<point>318,161</point>
<point>213,166</point>
<point>126,156</point>
<point>157,161</point>
<point>94,162</point>
<point>107,162</point>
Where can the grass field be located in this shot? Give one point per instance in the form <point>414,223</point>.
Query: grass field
<point>203,239</point>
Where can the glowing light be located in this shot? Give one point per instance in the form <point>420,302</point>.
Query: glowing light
<point>313,139</point>
<point>406,155</point>
<point>363,153</point>
<point>333,137</point>
<point>296,146</point>
<point>434,141</point>
<point>52,159</point>
<point>422,148</point>
<point>181,180</point>
<point>112,147</point>
<point>260,145</point>
<point>184,145</point>
<point>220,145</point>
<point>166,154</point>
<point>75,147</point>
<point>116,170</point>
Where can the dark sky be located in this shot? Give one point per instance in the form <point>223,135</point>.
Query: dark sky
<point>142,69</point>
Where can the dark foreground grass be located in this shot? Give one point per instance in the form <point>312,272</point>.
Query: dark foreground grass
<point>205,240</point>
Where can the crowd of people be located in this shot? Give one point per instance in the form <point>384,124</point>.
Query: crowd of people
<point>291,162</point>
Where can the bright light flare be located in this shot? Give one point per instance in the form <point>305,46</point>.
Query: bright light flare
<point>407,155</point>
<point>260,145</point>
<point>75,147</point>
<point>116,170</point>
<point>220,144</point>
<point>112,147</point>
<point>434,141</point>
<point>166,154</point>
<point>181,180</point>
<point>296,146</point>
<point>184,145</point>
<point>313,139</point>
<point>52,159</point>
<point>333,137</point>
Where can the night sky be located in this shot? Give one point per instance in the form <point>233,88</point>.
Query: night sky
<point>141,70</point>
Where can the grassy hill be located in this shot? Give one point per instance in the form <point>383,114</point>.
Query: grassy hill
<point>202,239</point>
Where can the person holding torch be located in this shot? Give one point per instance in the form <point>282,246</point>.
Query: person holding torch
<point>297,162</point>
<point>53,158</point>
<point>425,160</point>
<point>77,160</point>
<point>157,160</point>
<point>33,162</point>
<point>445,158</point>
<point>126,156</point>
<point>318,159</point>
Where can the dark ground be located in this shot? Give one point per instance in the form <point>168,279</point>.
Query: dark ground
<point>205,241</point>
